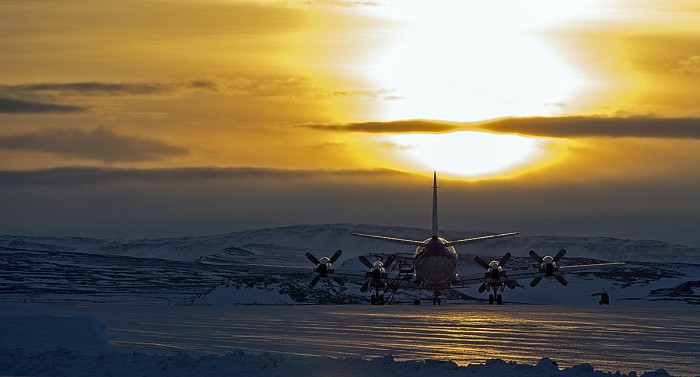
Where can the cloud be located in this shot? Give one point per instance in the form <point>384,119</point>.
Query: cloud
<point>17,106</point>
<point>100,144</point>
<point>243,87</point>
<point>98,175</point>
<point>645,127</point>
<point>401,126</point>
<point>96,88</point>
<point>161,202</point>
<point>690,65</point>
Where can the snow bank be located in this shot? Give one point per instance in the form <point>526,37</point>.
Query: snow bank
<point>40,333</point>
<point>72,363</point>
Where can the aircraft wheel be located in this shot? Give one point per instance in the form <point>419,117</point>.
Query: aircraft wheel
<point>373,300</point>
<point>490,299</point>
<point>416,301</point>
<point>499,300</point>
<point>438,300</point>
<point>381,300</point>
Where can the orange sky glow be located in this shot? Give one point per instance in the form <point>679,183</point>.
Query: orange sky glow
<point>407,86</point>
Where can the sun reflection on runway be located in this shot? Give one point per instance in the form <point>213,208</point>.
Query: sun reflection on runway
<point>617,338</point>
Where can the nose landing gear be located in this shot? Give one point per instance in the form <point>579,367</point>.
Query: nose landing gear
<point>495,298</point>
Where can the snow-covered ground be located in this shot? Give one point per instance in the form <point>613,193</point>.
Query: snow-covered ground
<point>177,303</point>
<point>347,340</point>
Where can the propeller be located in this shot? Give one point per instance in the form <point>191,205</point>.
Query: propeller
<point>314,281</point>
<point>548,267</point>
<point>504,260</point>
<point>485,265</point>
<point>385,264</point>
<point>482,263</point>
<point>323,267</point>
<point>559,255</point>
<point>496,273</point>
<point>536,256</point>
<point>312,258</point>
<point>366,261</point>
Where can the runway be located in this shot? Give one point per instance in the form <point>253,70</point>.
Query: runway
<point>609,338</point>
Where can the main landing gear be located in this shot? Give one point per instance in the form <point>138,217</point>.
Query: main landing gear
<point>497,298</point>
<point>377,299</point>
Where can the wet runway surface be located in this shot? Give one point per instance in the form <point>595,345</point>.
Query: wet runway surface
<point>609,338</point>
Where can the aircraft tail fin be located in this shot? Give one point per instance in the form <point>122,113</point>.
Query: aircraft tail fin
<point>435,205</point>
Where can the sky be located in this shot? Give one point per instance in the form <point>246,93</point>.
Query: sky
<point>174,118</point>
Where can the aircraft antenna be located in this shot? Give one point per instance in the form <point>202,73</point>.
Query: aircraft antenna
<point>435,205</point>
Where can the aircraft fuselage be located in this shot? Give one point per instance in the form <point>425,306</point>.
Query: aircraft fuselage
<point>435,263</point>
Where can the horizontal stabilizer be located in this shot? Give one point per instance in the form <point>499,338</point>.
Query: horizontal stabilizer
<point>481,238</point>
<point>390,239</point>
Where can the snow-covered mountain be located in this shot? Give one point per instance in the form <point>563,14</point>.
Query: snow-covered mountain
<point>329,237</point>
<point>267,266</point>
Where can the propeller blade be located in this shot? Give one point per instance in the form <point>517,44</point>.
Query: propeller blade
<point>536,257</point>
<point>314,281</point>
<point>535,281</point>
<point>559,255</point>
<point>510,284</point>
<point>336,256</point>
<point>504,260</point>
<point>365,261</point>
<point>364,287</point>
<point>312,258</point>
<point>561,280</point>
<point>482,288</point>
<point>389,260</point>
<point>481,263</point>
<point>338,280</point>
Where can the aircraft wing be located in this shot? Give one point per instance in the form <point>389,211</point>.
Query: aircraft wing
<point>480,238</point>
<point>512,275</point>
<point>390,239</point>
<point>590,266</point>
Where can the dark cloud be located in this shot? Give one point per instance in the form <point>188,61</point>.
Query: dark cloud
<point>598,127</point>
<point>400,126</point>
<point>16,106</point>
<point>244,87</point>
<point>94,88</point>
<point>99,144</point>
<point>95,175</point>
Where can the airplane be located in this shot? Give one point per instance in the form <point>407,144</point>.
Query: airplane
<point>434,266</point>
<point>435,258</point>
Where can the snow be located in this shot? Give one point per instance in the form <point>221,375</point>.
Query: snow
<point>217,274</point>
<point>326,238</point>
<point>42,333</point>
<point>230,293</point>
<point>76,346</point>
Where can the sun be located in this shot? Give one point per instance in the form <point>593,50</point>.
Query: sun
<point>467,61</point>
<point>468,154</point>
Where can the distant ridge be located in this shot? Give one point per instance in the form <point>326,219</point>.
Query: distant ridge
<point>329,237</point>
